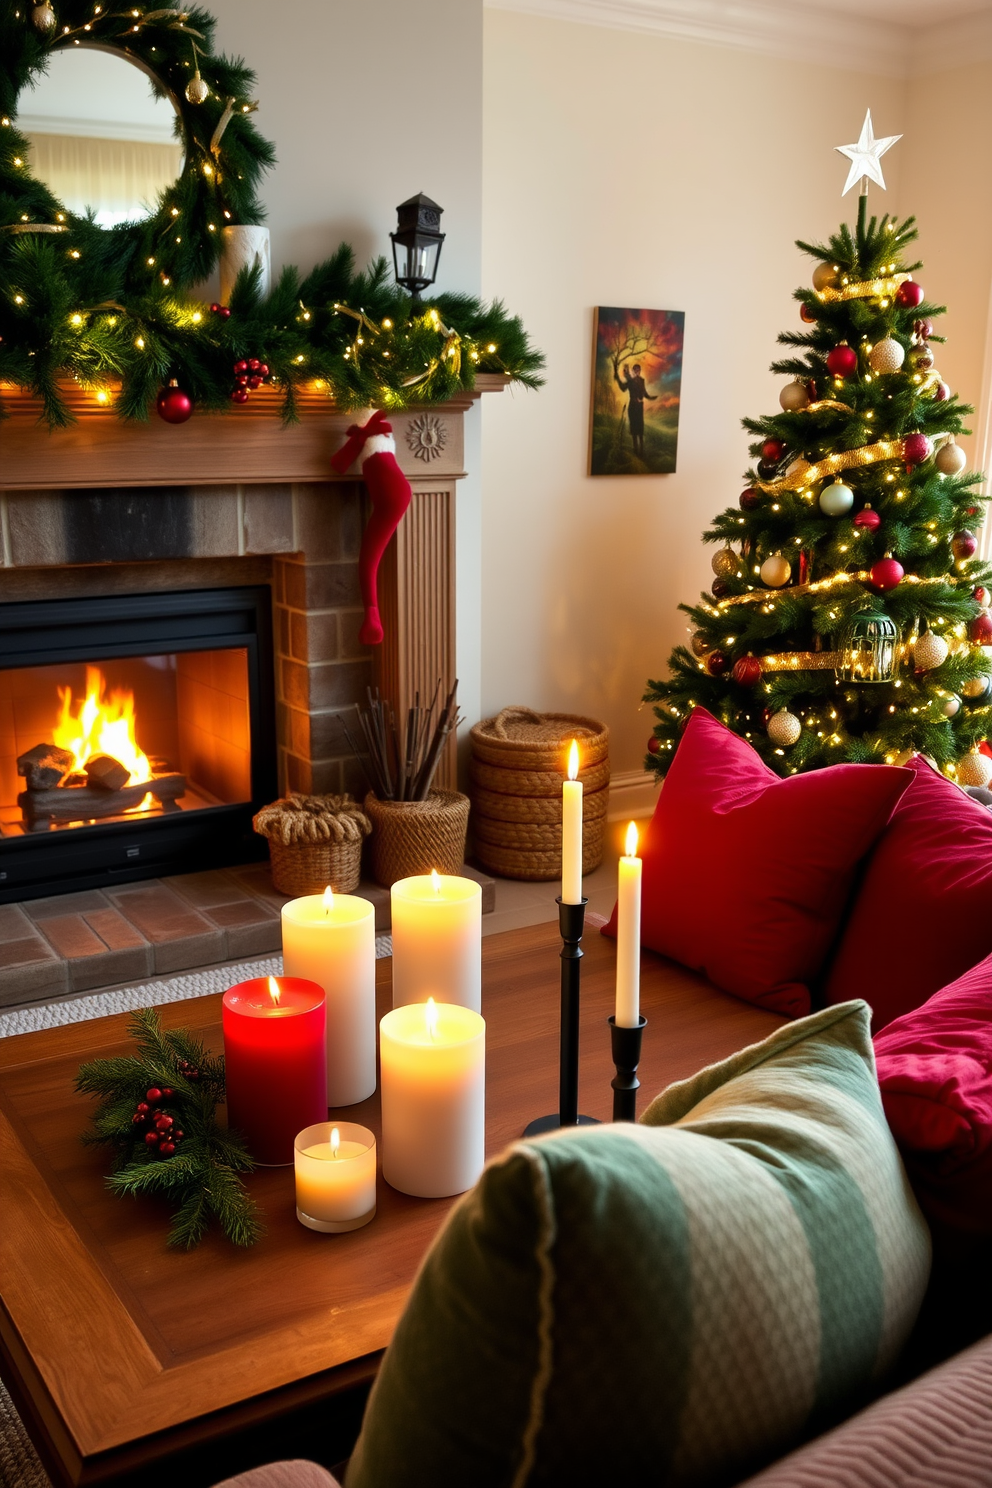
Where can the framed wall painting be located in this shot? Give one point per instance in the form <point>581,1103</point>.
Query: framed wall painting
<point>636,389</point>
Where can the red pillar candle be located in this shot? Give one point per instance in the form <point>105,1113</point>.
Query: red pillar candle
<point>275,1054</point>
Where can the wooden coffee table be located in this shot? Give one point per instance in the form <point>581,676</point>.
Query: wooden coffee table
<point>120,1353</point>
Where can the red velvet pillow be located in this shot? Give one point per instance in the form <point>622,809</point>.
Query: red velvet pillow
<point>923,913</point>
<point>935,1071</point>
<point>746,875</point>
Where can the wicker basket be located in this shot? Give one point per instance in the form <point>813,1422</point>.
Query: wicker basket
<point>314,841</point>
<point>518,762</point>
<point>411,837</point>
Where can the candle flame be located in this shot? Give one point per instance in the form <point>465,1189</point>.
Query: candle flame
<point>573,761</point>
<point>436,880</point>
<point>274,991</point>
<point>335,1141</point>
<point>328,900</point>
<point>630,847</point>
<point>432,1017</point>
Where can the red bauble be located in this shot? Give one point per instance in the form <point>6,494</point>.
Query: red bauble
<point>254,382</point>
<point>141,1109</point>
<point>137,1120</point>
<point>177,1135</point>
<point>264,372</point>
<point>167,1148</point>
<point>719,588</point>
<point>981,594</point>
<point>842,361</point>
<point>166,1092</point>
<point>964,544</point>
<point>214,308</point>
<point>154,1094</point>
<point>240,395</point>
<point>240,367</point>
<point>923,329</point>
<point>653,745</point>
<point>224,312</point>
<point>151,1138</point>
<point>253,364</point>
<point>750,500</point>
<point>909,294</point>
<point>809,316</point>
<point>941,393</point>
<point>773,449</point>
<point>868,519</point>
<point>747,671</point>
<point>716,663</point>
<point>985,748</point>
<point>916,448</point>
<point>173,405</point>
<point>886,574</point>
<point>980,629</point>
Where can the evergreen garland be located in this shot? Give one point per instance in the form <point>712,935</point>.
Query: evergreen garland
<point>111,309</point>
<point>924,515</point>
<point>172,1073</point>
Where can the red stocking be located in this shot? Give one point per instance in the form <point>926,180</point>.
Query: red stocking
<point>389,492</point>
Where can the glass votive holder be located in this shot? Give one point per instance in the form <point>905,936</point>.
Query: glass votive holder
<point>335,1176</point>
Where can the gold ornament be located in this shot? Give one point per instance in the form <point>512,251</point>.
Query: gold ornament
<point>929,651</point>
<point>43,17</point>
<point>784,729</point>
<point>776,571</point>
<point>825,276</point>
<point>724,563</point>
<point>950,459</point>
<point>975,769</point>
<point>196,89</point>
<point>887,355</point>
<point>699,644</point>
<point>794,397</point>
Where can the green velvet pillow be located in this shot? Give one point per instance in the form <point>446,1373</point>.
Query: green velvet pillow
<point>674,1302</point>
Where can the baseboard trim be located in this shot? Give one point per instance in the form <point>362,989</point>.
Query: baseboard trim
<point>632,793</point>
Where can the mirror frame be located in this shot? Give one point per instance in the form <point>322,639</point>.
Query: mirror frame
<point>179,243</point>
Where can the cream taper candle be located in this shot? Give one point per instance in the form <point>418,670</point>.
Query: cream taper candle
<point>628,1007</point>
<point>433,1090</point>
<point>437,940</point>
<point>330,939</point>
<point>571,831</point>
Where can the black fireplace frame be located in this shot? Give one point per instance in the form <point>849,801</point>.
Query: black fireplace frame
<point>42,632</point>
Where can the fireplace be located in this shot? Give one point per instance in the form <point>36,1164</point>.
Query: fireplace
<point>137,736</point>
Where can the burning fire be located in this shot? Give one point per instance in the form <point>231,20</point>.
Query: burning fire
<point>102,725</point>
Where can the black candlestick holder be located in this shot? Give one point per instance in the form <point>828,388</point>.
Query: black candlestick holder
<point>626,1056</point>
<point>571,921</point>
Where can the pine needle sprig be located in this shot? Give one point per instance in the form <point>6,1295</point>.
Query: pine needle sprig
<point>201,1174</point>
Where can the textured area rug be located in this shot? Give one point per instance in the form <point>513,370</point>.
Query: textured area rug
<point>19,1465</point>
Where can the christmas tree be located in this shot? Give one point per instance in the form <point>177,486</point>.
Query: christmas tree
<point>848,619</point>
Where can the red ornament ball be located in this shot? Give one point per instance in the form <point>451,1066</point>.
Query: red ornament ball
<point>154,1094</point>
<point>716,663</point>
<point>980,629</point>
<point>215,308</point>
<point>806,314</point>
<point>981,594</point>
<point>842,361</point>
<point>746,671</point>
<point>941,393</point>
<point>750,500</point>
<point>964,544</point>
<point>653,745</point>
<point>916,448</point>
<point>254,364</point>
<point>167,1148</point>
<point>224,312</point>
<point>167,1091</point>
<point>909,294</point>
<point>173,405</point>
<point>141,1109</point>
<point>923,329</point>
<point>719,588</point>
<point>886,574</point>
<point>254,382</point>
<point>240,367</point>
<point>868,520</point>
<point>240,395</point>
<point>264,372</point>
<point>151,1138</point>
<point>773,449</point>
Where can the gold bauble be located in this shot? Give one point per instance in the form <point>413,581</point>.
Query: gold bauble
<point>825,276</point>
<point>784,729</point>
<point>975,769</point>
<point>43,17</point>
<point>776,571</point>
<point>724,563</point>
<point>197,90</point>
<point>929,651</point>
<point>794,397</point>
<point>887,355</point>
<point>950,459</point>
<point>699,644</point>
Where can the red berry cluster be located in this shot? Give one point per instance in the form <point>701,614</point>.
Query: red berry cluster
<point>221,310</point>
<point>248,375</point>
<point>160,1131</point>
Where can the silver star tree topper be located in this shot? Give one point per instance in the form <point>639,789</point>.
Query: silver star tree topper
<point>866,156</point>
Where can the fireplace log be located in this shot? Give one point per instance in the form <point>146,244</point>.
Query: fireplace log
<point>107,773</point>
<point>44,765</point>
<point>86,803</point>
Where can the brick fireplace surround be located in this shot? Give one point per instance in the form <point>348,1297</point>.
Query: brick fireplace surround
<point>105,508</point>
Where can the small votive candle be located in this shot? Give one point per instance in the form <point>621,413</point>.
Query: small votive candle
<point>335,1176</point>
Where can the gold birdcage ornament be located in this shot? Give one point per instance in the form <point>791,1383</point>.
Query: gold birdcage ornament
<point>870,650</point>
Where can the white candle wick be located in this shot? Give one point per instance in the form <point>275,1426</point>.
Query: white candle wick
<point>274,991</point>
<point>335,1141</point>
<point>328,900</point>
<point>432,1017</point>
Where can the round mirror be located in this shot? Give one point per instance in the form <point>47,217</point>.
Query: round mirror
<point>102,139</point>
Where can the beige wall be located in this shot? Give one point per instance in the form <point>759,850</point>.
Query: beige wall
<point>625,169</point>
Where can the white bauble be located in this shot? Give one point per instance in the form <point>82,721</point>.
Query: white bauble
<point>951,706</point>
<point>950,459</point>
<point>975,769</point>
<point>825,276</point>
<point>724,563</point>
<point>930,651</point>
<point>836,499</point>
<point>886,356</point>
<point>776,571</point>
<point>784,729</point>
<point>197,90</point>
<point>975,687</point>
<point>794,397</point>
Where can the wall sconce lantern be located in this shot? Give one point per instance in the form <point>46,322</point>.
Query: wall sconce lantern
<point>417,243</point>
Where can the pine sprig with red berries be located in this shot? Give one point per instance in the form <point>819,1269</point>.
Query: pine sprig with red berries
<point>157,1109</point>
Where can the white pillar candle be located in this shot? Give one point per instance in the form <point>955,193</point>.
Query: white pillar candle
<point>571,831</point>
<point>335,1176</point>
<point>243,247</point>
<point>433,1087</point>
<point>628,1006</point>
<point>330,939</point>
<point>437,940</point>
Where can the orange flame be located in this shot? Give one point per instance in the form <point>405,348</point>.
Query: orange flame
<point>435,881</point>
<point>335,1141</point>
<point>101,725</point>
<point>328,899</point>
<point>573,761</point>
<point>274,991</point>
<point>631,844</point>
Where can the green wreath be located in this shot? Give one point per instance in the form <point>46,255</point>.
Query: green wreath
<point>111,308</point>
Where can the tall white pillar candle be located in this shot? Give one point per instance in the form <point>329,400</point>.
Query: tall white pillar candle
<point>433,1091</point>
<point>628,1006</point>
<point>332,936</point>
<point>437,940</point>
<point>571,831</point>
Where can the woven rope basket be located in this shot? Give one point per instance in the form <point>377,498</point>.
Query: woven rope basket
<point>535,782</point>
<point>536,810</point>
<point>519,739</point>
<point>528,837</point>
<point>412,837</point>
<point>535,867</point>
<point>314,841</point>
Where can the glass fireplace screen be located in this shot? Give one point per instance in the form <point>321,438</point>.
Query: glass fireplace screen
<point>122,739</point>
